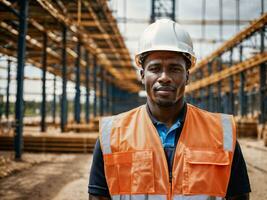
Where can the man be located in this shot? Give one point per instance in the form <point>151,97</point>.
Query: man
<point>167,149</point>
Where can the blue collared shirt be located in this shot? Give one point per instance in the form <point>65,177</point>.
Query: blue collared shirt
<point>169,137</point>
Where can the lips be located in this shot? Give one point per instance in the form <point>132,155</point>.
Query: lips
<point>165,90</point>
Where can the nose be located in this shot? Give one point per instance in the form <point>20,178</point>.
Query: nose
<point>164,77</point>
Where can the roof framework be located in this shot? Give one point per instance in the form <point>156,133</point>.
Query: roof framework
<point>89,22</point>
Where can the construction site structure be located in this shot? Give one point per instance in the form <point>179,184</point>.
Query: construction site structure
<point>79,41</point>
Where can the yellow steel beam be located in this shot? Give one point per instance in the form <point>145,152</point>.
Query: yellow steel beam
<point>254,26</point>
<point>235,69</point>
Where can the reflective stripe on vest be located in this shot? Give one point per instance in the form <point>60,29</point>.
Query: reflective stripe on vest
<point>139,197</point>
<point>196,197</point>
<point>163,197</point>
<point>227,132</point>
<point>106,125</point>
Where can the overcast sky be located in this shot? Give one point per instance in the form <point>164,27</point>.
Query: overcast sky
<point>140,11</point>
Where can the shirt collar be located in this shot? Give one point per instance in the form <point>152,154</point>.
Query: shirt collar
<point>180,118</point>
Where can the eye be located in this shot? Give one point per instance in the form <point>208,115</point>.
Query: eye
<point>176,68</point>
<point>153,68</point>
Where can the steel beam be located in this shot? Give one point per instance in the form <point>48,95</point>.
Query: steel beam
<point>54,106</point>
<point>219,88</point>
<point>152,17</point>
<point>221,19</point>
<point>233,42</point>
<point>203,26</point>
<point>231,86</point>
<point>87,86</point>
<point>44,66</point>
<point>210,104</point>
<point>162,8</point>
<point>237,15</point>
<point>77,103</point>
<point>18,139</point>
<point>242,85</point>
<point>203,97</point>
<point>95,86</point>
<point>111,96</point>
<point>64,111</point>
<point>263,84</point>
<point>101,88</point>
<point>8,89</point>
<point>173,10</point>
<point>210,90</point>
<point>107,94</point>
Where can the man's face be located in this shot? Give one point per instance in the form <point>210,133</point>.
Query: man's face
<point>164,75</point>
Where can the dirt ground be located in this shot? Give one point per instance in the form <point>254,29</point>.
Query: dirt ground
<point>65,176</point>
<point>57,177</point>
<point>255,155</point>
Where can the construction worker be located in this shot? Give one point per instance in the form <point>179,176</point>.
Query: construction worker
<point>167,149</point>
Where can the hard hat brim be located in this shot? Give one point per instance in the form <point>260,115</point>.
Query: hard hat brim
<point>191,55</point>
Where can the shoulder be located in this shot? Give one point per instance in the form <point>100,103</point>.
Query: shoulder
<point>211,117</point>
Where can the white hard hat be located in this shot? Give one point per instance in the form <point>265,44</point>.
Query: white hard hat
<point>165,35</point>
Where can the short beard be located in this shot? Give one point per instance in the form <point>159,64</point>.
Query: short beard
<point>165,104</point>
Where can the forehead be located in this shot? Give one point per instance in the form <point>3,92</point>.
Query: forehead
<point>158,56</point>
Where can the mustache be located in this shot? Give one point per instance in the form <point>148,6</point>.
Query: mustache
<point>165,88</point>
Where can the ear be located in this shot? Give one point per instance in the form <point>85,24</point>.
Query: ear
<point>142,74</point>
<point>187,77</point>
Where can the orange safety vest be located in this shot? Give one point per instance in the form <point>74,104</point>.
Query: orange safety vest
<point>136,167</point>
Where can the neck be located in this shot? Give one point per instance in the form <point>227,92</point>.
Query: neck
<point>166,115</point>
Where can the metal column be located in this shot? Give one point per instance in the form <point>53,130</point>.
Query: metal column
<point>18,139</point>
<point>44,59</point>
<point>7,88</point>
<point>101,95</point>
<point>237,15</point>
<point>87,85</point>
<point>111,96</point>
<point>77,103</point>
<point>219,88</point>
<point>54,100</point>
<point>263,84</point>
<point>64,112</point>
<point>203,104</point>
<point>221,20</point>
<point>173,16</point>
<point>107,93</point>
<point>210,90</point>
<point>113,93</point>
<point>242,85</point>
<point>95,85</point>
<point>231,88</point>
<point>162,8</point>
<point>152,17</point>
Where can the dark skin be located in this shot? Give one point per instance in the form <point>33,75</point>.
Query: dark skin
<point>165,75</point>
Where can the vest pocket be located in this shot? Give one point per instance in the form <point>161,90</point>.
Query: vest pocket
<point>206,172</point>
<point>130,172</point>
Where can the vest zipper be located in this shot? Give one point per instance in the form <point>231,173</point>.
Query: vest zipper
<point>170,173</point>
<point>170,186</point>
